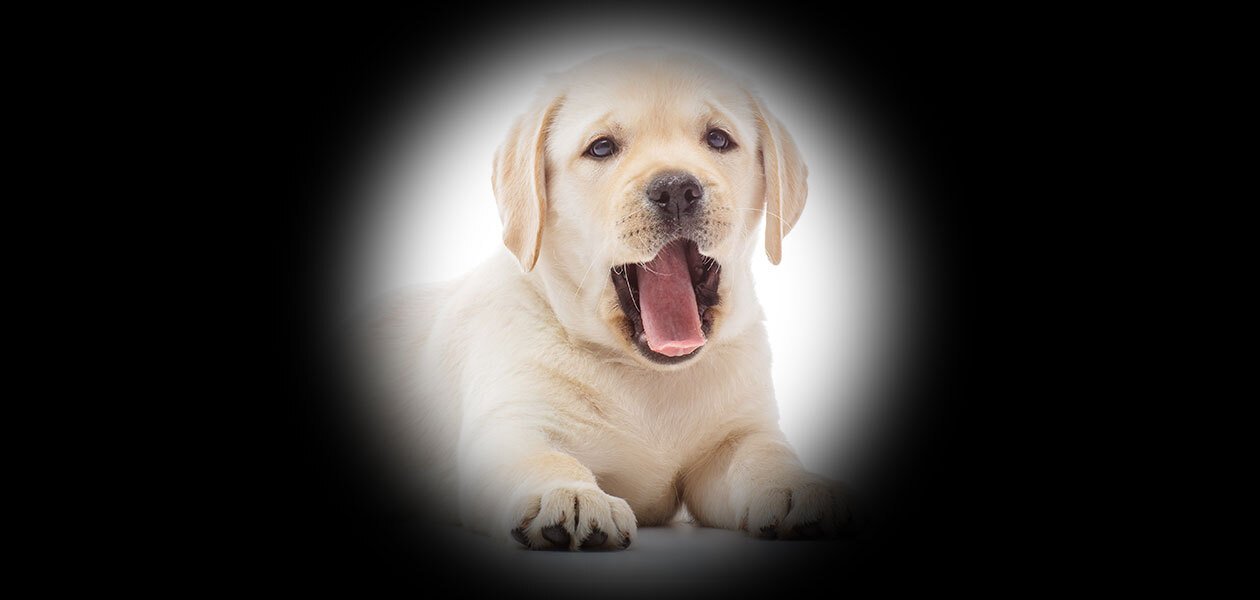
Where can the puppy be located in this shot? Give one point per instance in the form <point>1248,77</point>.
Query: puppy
<point>613,367</point>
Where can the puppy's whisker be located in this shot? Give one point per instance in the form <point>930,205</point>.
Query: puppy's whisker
<point>649,269</point>
<point>632,215</point>
<point>583,280</point>
<point>629,289</point>
<point>762,210</point>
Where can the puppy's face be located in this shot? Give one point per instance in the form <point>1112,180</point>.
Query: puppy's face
<point>654,177</point>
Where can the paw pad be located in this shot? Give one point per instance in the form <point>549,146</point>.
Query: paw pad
<point>596,539</point>
<point>557,535</point>
<point>518,534</point>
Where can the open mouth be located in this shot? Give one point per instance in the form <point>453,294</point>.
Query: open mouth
<point>667,301</point>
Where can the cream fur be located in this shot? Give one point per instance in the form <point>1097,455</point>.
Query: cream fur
<point>524,404</point>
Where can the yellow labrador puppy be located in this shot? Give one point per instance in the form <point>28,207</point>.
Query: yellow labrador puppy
<point>614,366</point>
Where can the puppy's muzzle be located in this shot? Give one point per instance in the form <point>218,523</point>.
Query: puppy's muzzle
<point>675,194</point>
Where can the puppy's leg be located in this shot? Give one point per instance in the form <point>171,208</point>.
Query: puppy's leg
<point>515,486</point>
<point>753,482</point>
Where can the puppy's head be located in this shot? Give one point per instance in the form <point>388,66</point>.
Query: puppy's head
<point>633,189</point>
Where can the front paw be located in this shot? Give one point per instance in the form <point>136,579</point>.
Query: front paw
<point>575,518</point>
<point>802,507</point>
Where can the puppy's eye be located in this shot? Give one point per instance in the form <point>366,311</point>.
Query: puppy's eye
<point>602,148</point>
<point>718,140</point>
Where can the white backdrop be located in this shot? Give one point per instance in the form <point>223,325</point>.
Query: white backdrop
<point>428,214</point>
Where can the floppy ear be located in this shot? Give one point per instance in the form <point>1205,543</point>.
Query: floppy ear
<point>520,183</point>
<point>785,175</point>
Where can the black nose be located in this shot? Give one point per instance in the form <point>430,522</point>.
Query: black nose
<point>675,194</point>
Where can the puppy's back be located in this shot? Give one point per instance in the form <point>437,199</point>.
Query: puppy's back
<point>412,423</point>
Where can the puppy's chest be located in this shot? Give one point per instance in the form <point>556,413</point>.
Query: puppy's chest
<point>662,424</point>
<point>639,445</point>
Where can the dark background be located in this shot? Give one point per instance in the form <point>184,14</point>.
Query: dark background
<point>987,119</point>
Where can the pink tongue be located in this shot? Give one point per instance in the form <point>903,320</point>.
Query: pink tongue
<point>667,302</point>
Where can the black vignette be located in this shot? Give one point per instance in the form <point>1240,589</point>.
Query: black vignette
<point>927,90</point>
